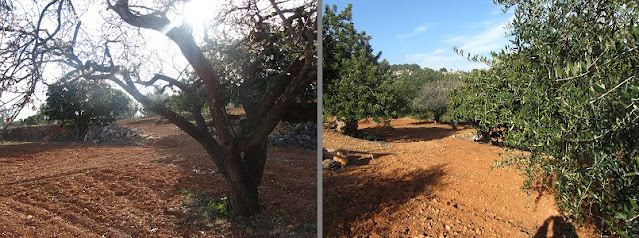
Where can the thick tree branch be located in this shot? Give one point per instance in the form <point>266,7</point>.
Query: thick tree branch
<point>193,54</point>
<point>96,71</point>
<point>275,111</point>
<point>189,91</point>
<point>285,21</point>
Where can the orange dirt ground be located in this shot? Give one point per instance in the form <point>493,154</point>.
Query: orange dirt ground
<point>88,190</point>
<point>421,182</point>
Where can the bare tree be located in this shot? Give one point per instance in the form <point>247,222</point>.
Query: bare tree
<point>274,44</point>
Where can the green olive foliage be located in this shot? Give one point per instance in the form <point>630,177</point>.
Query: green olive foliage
<point>567,90</point>
<point>423,92</point>
<point>37,119</point>
<point>356,84</point>
<point>409,79</point>
<point>234,67</point>
<point>82,102</point>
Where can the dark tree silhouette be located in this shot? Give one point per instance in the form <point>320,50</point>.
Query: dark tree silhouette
<point>81,102</point>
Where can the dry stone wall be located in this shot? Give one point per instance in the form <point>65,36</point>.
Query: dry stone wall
<point>295,135</point>
<point>117,134</point>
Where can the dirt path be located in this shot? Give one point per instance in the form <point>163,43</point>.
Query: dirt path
<point>422,182</point>
<point>87,190</point>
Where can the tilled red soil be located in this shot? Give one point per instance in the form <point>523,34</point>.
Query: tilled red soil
<point>88,190</point>
<point>425,182</point>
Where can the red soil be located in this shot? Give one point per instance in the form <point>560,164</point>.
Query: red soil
<point>88,190</point>
<point>422,182</point>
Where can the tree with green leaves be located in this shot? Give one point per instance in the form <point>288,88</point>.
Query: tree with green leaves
<point>37,119</point>
<point>567,90</point>
<point>82,102</point>
<point>356,84</point>
<point>409,79</point>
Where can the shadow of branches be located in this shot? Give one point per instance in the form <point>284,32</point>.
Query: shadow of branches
<point>558,226</point>
<point>390,134</point>
<point>354,157</point>
<point>286,193</point>
<point>353,196</point>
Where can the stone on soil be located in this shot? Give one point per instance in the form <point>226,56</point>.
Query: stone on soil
<point>117,134</point>
<point>295,135</point>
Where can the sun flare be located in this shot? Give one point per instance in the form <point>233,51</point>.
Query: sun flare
<point>199,12</point>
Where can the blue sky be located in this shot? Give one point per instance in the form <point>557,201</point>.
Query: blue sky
<point>425,32</point>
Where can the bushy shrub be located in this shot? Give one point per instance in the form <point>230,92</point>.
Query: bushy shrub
<point>568,92</point>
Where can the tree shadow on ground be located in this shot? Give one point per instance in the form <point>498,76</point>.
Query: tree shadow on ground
<point>279,193</point>
<point>558,227</point>
<point>354,196</point>
<point>356,158</point>
<point>390,134</point>
<point>463,124</point>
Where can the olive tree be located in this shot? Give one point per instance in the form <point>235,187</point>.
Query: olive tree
<point>56,37</point>
<point>433,97</point>
<point>409,80</point>
<point>81,102</point>
<point>567,90</point>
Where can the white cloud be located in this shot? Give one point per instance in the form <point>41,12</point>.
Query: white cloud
<point>492,37</point>
<point>413,33</point>
<point>421,28</point>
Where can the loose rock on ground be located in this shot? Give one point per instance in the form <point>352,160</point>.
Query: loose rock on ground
<point>117,134</point>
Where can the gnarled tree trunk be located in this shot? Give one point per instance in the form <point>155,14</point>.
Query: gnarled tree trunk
<point>244,175</point>
<point>242,197</point>
<point>347,127</point>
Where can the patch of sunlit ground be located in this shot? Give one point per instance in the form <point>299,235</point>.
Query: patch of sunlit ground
<point>15,142</point>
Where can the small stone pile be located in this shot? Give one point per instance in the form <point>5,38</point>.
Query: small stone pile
<point>296,135</point>
<point>333,159</point>
<point>468,137</point>
<point>117,134</point>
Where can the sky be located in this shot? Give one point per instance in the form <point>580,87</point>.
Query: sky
<point>407,31</point>
<point>425,32</point>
